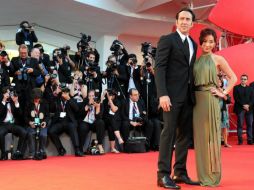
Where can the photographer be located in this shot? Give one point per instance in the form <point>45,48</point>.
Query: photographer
<point>119,51</point>
<point>84,48</point>
<point>4,75</point>
<point>112,117</point>
<point>26,35</point>
<point>78,89</point>
<point>91,73</point>
<point>63,64</point>
<point>24,71</point>
<point>10,114</point>
<point>5,61</point>
<point>44,58</point>
<point>133,72</point>
<point>116,76</point>
<point>90,116</point>
<point>134,116</point>
<point>35,53</point>
<point>64,121</point>
<point>37,120</point>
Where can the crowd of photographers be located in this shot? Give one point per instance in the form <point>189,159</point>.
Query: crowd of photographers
<point>47,97</point>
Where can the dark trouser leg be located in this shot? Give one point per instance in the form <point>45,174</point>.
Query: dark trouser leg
<point>240,119</point>
<point>71,129</point>
<point>54,131</point>
<point>183,138</point>
<point>249,120</point>
<point>3,132</point>
<point>167,140</point>
<point>110,127</point>
<point>43,139</point>
<point>31,140</point>
<point>83,132</point>
<point>157,131</point>
<point>100,130</point>
<point>125,130</point>
<point>22,134</point>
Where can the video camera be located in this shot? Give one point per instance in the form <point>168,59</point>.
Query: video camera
<point>116,47</point>
<point>60,52</point>
<point>83,44</point>
<point>148,50</point>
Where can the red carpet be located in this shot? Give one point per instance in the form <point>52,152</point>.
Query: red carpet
<point>118,172</point>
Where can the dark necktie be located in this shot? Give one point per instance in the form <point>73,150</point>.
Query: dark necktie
<point>186,48</point>
<point>134,112</point>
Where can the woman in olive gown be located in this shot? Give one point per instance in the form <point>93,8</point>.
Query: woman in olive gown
<point>206,113</point>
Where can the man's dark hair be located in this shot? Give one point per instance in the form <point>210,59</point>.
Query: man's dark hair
<point>131,90</point>
<point>244,75</point>
<point>90,53</point>
<point>206,32</point>
<point>187,10</point>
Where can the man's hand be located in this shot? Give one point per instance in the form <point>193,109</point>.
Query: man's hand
<point>165,103</point>
<point>31,123</point>
<point>30,70</point>
<point>15,99</point>
<point>246,107</point>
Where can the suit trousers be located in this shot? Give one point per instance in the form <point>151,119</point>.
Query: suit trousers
<point>176,131</point>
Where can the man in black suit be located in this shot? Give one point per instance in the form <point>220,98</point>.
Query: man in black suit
<point>10,114</point>
<point>132,110</point>
<point>64,121</point>
<point>175,57</point>
<point>24,71</point>
<point>243,96</point>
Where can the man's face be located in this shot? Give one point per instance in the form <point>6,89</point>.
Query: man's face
<point>134,96</point>
<point>23,53</point>
<point>91,95</point>
<point>35,53</point>
<point>91,58</point>
<point>184,22</point>
<point>244,80</point>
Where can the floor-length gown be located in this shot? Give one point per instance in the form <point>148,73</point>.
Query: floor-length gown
<point>206,122</point>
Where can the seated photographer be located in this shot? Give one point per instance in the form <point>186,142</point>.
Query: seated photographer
<point>134,116</point>
<point>64,121</point>
<point>63,64</point>
<point>91,73</point>
<point>24,71</point>
<point>37,120</point>
<point>78,89</point>
<point>112,117</point>
<point>10,114</point>
<point>133,72</point>
<point>116,76</point>
<point>90,116</point>
<point>35,53</point>
<point>26,35</point>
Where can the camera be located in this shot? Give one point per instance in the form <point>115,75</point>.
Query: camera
<point>83,44</point>
<point>116,46</point>
<point>12,89</point>
<point>23,75</point>
<point>138,120</point>
<point>93,149</point>
<point>64,87</point>
<point>148,50</point>
<point>60,52</point>
<point>53,76</point>
<point>92,67</point>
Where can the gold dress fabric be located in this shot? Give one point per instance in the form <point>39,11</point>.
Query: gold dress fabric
<point>206,123</point>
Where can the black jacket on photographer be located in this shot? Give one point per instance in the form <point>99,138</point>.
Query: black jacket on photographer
<point>23,83</point>
<point>25,37</point>
<point>4,78</point>
<point>92,82</point>
<point>64,71</point>
<point>133,73</point>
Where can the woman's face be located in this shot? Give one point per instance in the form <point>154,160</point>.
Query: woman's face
<point>208,44</point>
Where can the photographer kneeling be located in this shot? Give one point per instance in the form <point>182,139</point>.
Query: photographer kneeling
<point>37,119</point>
<point>134,116</point>
<point>112,117</point>
<point>91,113</point>
<point>10,114</point>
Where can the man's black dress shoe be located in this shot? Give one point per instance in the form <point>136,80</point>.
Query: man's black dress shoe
<point>79,153</point>
<point>185,179</point>
<point>61,152</point>
<point>167,183</point>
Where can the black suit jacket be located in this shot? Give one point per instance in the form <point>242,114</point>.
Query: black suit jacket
<point>42,109</point>
<point>71,109</point>
<point>126,108</point>
<point>31,63</point>
<point>17,112</point>
<point>136,77</point>
<point>242,95</point>
<point>173,72</point>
